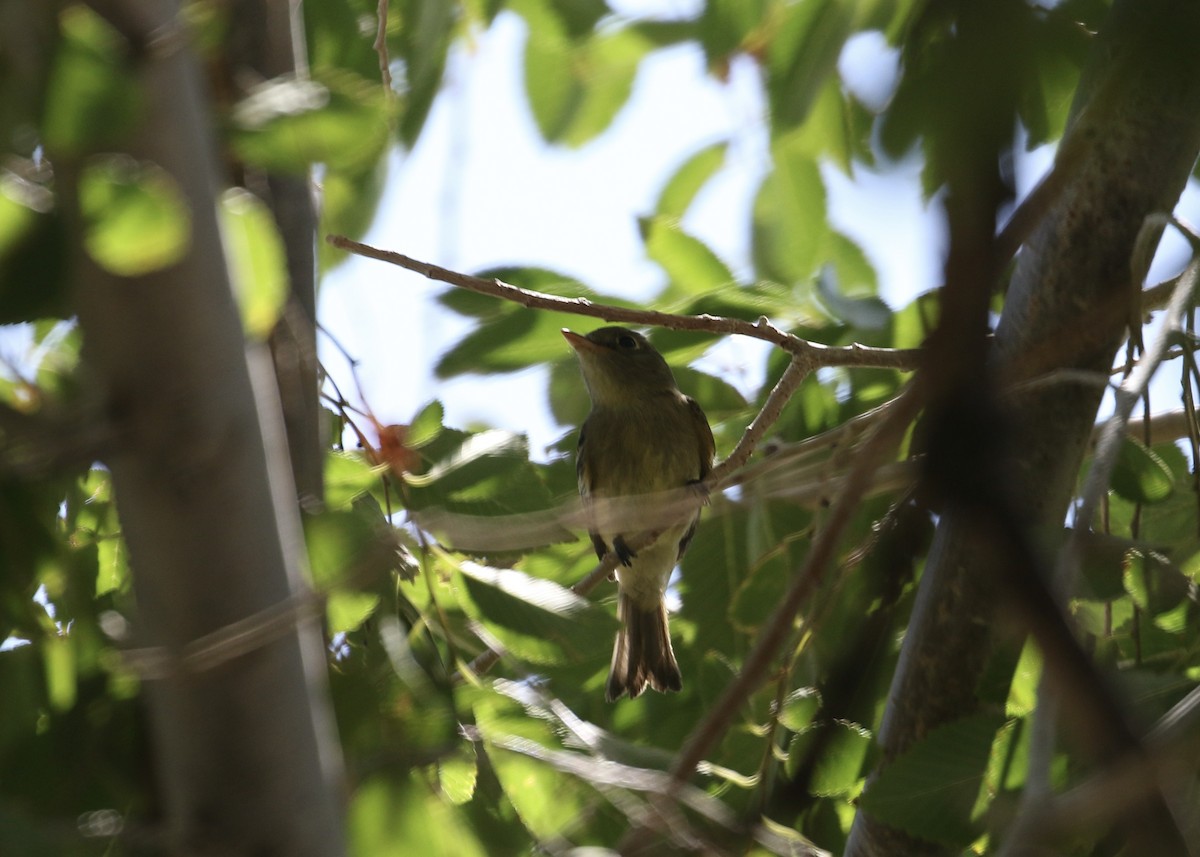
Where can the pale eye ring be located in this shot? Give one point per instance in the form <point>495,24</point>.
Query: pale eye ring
<point>627,342</point>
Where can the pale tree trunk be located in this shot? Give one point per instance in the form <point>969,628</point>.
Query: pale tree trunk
<point>246,756</point>
<point>1128,153</point>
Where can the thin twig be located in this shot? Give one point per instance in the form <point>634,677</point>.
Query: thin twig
<point>381,48</point>
<point>714,725</point>
<point>817,354</point>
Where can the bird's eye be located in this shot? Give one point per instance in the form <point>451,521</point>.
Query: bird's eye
<point>627,342</point>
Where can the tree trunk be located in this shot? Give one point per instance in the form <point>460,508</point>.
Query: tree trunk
<point>1131,145</point>
<point>246,754</point>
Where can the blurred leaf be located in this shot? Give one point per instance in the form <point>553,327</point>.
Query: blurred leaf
<point>507,343</point>
<point>287,124</point>
<point>1139,474</point>
<point>457,776</point>
<point>93,97</point>
<point>345,611</point>
<point>763,588</point>
<point>839,769</point>
<point>349,204</point>
<point>799,708</point>
<point>929,790</point>
<point>347,475</point>
<point>392,819</point>
<point>257,260</point>
<point>1153,583</point>
<point>58,658</point>
<point>426,425</point>
<point>537,620</point>
<point>803,53</point>
<point>692,267</point>
<point>681,189</point>
<point>424,29</point>
<point>576,84</point>
<point>569,401</point>
<point>727,26</point>
<point>347,548</point>
<point>714,395</point>
<point>136,219</point>
<point>863,313</point>
<point>789,215</point>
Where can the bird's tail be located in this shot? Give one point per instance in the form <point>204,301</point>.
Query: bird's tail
<point>642,653</point>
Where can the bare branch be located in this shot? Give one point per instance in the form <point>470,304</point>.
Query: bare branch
<point>816,354</point>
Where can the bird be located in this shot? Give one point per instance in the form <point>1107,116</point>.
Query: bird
<point>642,436</point>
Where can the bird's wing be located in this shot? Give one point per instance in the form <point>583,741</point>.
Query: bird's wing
<point>583,475</point>
<point>708,446</point>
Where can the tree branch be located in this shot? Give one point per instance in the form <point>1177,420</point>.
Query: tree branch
<point>814,353</point>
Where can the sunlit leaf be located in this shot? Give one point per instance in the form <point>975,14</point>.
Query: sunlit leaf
<point>345,610</point>
<point>1140,475</point>
<point>257,260</point>
<point>288,124</point>
<point>689,179</point>
<point>799,708</point>
<point>136,219</point>
<point>538,619</point>
<point>789,216</point>
<point>687,260</point>
<point>930,790</point>
<point>346,548</point>
<point>389,819</point>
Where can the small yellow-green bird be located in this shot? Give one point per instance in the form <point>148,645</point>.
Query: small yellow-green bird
<point>642,436</point>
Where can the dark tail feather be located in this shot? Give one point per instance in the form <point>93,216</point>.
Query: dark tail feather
<point>642,653</point>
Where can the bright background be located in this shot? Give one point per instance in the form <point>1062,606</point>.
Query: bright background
<point>481,189</point>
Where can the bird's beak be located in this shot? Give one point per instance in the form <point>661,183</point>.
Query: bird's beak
<point>579,343</point>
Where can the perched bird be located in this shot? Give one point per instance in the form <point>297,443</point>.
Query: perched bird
<point>642,436</point>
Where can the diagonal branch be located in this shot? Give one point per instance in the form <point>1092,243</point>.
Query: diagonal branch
<point>814,353</point>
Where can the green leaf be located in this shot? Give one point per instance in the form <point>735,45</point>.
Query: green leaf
<point>681,189</point>
<point>288,124</point>
<point>726,25</point>
<point>347,475</point>
<point>863,313</point>
<point>607,66</point>
<point>347,548</point>
<point>93,96</point>
<point>58,658</point>
<point>507,343</point>
<point>1139,474</point>
<point>789,224</point>
<point>257,261</point>
<point>839,769</point>
<point>799,708</point>
<point>426,425</point>
<point>930,790</point>
<point>714,395</point>
<point>136,220</point>
<point>345,611</point>
<point>457,776</point>
<point>349,203</point>
<point>391,819</point>
<point>552,87</point>
<point>803,54</point>
<point>576,84</point>
<point>424,29</point>
<point>112,574</point>
<point>692,267</point>
<point>537,619</point>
